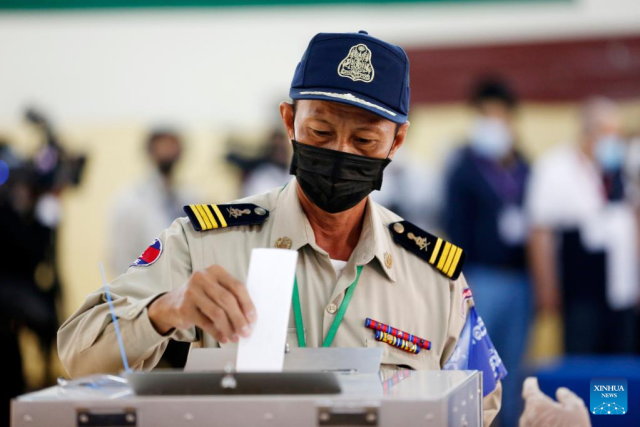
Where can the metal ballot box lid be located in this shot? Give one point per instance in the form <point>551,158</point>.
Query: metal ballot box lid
<point>174,382</point>
<point>390,398</point>
<point>346,360</point>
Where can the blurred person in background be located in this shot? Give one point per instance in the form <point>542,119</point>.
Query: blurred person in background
<point>484,194</point>
<point>398,192</point>
<point>272,169</point>
<point>632,175</point>
<point>141,211</point>
<point>30,212</point>
<point>268,169</point>
<point>146,207</point>
<point>584,239</point>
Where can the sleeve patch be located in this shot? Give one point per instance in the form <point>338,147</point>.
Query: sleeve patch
<point>150,255</point>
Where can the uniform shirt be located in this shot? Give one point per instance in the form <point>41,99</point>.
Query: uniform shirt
<point>396,287</point>
<point>338,266</point>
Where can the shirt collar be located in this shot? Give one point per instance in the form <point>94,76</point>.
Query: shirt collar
<point>375,241</point>
<point>290,222</point>
<point>291,225</point>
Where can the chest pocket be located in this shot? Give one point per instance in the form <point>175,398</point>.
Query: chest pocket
<point>395,358</point>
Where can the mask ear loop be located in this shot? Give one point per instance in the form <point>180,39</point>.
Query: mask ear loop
<point>294,120</point>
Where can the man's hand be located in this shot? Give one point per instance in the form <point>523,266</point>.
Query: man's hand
<point>542,411</point>
<point>212,300</point>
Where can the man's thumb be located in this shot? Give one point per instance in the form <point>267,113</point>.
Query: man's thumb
<point>530,388</point>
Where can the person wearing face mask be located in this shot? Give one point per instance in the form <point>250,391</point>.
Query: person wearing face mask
<point>584,248</point>
<point>139,211</point>
<point>356,259</point>
<point>484,191</point>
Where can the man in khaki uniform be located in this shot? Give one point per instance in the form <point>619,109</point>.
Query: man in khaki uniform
<point>355,258</point>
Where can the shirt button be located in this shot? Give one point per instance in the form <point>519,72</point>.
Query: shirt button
<point>332,308</point>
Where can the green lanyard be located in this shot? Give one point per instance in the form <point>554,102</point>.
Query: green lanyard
<point>297,312</point>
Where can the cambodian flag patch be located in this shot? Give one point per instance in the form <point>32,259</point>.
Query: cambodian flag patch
<point>466,295</point>
<point>150,255</point>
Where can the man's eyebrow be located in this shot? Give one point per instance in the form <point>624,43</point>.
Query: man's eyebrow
<point>373,125</point>
<point>317,119</point>
<point>370,127</point>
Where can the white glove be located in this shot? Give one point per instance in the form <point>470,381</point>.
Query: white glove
<point>542,411</point>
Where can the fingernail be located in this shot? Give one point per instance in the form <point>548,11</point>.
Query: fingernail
<point>252,316</point>
<point>234,338</point>
<point>245,331</point>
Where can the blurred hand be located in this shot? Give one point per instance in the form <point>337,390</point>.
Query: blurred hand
<point>542,411</point>
<point>212,300</point>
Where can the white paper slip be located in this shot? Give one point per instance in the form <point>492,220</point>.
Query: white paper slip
<point>270,286</point>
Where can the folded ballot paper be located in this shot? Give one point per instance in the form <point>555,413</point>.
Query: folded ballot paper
<point>270,285</point>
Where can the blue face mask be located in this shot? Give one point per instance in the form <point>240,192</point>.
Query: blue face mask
<point>491,138</point>
<point>609,153</point>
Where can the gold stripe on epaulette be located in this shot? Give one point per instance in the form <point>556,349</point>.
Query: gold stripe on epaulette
<point>194,209</point>
<point>454,264</point>
<point>223,222</point>
<point>212,220</point>
<point>452,253</point>
<point>443,257</point>
<point>204,217</point>
<point>434,255</point>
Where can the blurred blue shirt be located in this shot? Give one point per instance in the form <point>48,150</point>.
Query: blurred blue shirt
<point>482,197</point>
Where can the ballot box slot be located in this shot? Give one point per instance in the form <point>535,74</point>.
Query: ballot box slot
<point>107,418</point>
<point>347,416</point>
<point>179,383</point>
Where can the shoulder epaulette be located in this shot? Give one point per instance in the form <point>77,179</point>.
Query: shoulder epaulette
<point>209,217</point>
<point>442,255</point>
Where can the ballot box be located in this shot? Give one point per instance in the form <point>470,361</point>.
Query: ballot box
<point>388,398</point>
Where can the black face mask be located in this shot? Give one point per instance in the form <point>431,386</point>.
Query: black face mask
<point>166,166</point>
<point>333,180</point>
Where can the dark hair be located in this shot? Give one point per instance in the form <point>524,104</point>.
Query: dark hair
<point>158,134</point>
<point>493,89</point>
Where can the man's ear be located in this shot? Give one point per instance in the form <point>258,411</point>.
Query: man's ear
<point>286,113</point>
<point>400,137</point>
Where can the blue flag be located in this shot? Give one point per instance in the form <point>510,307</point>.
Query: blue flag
<point>475,351</point>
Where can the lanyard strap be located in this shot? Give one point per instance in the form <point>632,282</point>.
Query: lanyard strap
<point>297,312</point>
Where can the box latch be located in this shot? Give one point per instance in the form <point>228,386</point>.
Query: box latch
<point>107,418</point>
<point>347,416</point>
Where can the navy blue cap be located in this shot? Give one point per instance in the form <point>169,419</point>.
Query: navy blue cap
<point>355,69</point>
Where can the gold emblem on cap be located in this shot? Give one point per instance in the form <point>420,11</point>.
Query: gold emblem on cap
<point>398,228</point>
<point>422,242</point>
<point>283,243</point>
<point>234,212</point>
<point>388,259</point>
